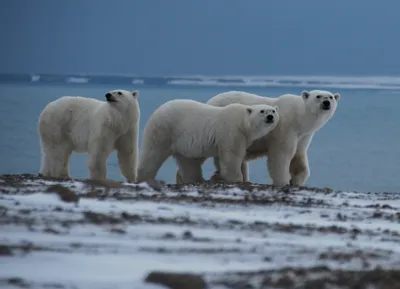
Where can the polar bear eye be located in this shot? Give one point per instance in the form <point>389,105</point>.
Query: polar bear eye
<point>119,93</point>
<point>331,97</point>
<point>318,96</point>
<point>262,111</point>
<point>273,111</point>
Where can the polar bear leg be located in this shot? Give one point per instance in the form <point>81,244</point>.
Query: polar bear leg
<point>178,176</point>
<point>299,170</point>
<point>151,159</point>
<point>47,161</point>
<point>127,156</point>
<point>127,164</point>
<point>278,168</point>
<point>190,170</point>
<point>279,157</point>
<point>230,166</point>
<point>245,171</point>
<point>98,152</point>
<point>217,164</point>
<point>299,167</point>
<point>55,159</point>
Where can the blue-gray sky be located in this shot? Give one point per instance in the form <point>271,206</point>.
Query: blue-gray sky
<point>211,37</point>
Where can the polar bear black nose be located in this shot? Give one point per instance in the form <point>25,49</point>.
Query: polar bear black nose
<point>326,103</point>
<point>108,95</point>
<point>270,117</point>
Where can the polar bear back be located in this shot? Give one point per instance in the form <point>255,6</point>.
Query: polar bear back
<point>68,111</point>
<point>70,115</point>
<point>185,122</point>
<point>242,97</point>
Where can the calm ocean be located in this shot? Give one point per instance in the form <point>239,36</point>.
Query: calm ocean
<point>358,149</point>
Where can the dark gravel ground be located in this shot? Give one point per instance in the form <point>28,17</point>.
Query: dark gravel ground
<point>194,236</point>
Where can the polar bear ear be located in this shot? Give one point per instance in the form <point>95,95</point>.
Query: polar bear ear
<point>135,94</point>
<point>305,94</point>
<point>337,96</point>
<point>249,110</point>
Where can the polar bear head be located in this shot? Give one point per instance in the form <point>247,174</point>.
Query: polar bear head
<point>321,101</point>
<point>125,101</point>
<point>262,119</point>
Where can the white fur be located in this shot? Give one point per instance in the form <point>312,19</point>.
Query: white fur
<point>286,146</point>
<point>192,131</point>
<point>86,125</point>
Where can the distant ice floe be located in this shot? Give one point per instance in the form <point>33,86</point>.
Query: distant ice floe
<point>76,80</point>
<point>35,78</point>
<point>137,81</point>
<point>294,81</point>
<point>327,82</point>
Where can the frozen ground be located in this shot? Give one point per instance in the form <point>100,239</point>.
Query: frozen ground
<point>59,234</point>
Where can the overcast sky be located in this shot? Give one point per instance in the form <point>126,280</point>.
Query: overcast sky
<point>211,37</point>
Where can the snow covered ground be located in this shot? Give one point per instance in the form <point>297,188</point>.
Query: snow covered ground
<point>73,234</point>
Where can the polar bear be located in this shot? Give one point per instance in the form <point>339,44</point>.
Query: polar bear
<point>86,125</point>
<point>287,145</point>
<point>192,131</point>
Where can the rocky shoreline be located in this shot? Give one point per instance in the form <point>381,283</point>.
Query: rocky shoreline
<point>85,234</point>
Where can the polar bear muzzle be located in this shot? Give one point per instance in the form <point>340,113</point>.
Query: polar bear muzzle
<point>326,105</point>
<point>269,118</point>
<point>110,97</point>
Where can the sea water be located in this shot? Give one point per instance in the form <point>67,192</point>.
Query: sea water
<point>358,149</point>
